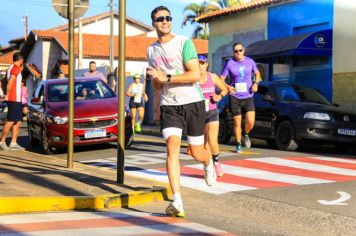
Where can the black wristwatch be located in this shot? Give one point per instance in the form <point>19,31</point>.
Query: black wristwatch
<point>169,77</point>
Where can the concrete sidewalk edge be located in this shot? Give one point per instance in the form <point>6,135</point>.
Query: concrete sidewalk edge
<point>11,205</point>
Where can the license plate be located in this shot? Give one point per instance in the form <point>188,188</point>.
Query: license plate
<point>95,134</point>
<point>349,132</point>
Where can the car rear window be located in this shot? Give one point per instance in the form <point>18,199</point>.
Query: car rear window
<point>288,92</point>
<point>86,90</point>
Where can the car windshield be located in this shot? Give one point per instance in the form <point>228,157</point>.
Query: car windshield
<point>86,90</point>
<point>286,92</point>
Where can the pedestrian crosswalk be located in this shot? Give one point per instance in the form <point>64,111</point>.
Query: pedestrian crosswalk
<point>100,223</point>
<point>140,160</point>
<point>259,173</point>
<point>249,174</point>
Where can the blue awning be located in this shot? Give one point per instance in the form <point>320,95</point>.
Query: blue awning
<point>312,44</point>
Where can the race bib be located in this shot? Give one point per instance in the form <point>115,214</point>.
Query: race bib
<point>241,87</point>
<point>138,99</point>
<point>207,102</point>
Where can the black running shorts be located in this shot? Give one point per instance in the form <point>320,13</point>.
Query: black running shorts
<point>241,106</point>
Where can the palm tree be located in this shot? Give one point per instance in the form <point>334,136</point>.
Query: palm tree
<point>195,10</point>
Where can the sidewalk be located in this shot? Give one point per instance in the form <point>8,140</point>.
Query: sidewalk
<point>30,182</point>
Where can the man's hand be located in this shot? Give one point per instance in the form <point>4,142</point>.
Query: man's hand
<point>157,74</point>
<point>217,98</point>
<point>232,90</point>
<point>254,87</point>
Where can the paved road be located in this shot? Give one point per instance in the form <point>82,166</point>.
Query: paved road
<point>100,223</point>
<point>263,191</point>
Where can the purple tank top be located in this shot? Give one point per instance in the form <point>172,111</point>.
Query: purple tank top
<point>208,90</point>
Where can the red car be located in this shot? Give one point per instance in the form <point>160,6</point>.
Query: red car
<point>95,114</point>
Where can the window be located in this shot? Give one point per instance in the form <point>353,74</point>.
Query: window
<point>309,61</point>
<point>86,90</point>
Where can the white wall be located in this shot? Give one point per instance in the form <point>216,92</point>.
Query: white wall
<point>344,36</point>
<point>103,27</point>
<point>132,67</point>
<point>36,55</point>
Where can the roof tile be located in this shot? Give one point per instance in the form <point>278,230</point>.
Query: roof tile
<point>254,4</point>
<point>97,46</point>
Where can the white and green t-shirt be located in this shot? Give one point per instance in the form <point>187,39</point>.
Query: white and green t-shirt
<point>170,58</point>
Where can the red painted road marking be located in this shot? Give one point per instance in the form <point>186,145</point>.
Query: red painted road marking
<point>289,170</point>
<point>324,162</point>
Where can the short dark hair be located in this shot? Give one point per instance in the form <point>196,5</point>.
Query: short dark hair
<point>238,43</point>
<point>157,9</point>
<point>92,62</point>
<point>17,56</point>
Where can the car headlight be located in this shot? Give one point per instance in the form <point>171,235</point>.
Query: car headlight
<point>316,116</point>
<point>60,120</point>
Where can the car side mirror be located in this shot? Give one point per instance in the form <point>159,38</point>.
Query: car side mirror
<point>268,98</point>
<point>36,101</point>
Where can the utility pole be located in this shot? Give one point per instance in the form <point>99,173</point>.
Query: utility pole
<point>111,44</point>
<point>121,93</point>
<point>26,25</point>
<point>71,85</point>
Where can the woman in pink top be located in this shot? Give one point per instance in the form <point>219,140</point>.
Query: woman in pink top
<point>208,84</point>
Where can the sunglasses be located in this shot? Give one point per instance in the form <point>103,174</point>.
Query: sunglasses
<point>162,18</point>
<point>238,50</point>
<point>202,62</point>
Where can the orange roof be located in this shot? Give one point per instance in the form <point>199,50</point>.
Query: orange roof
<point>97,46</point>
<point>100,16</point>
<point>34,70</point>
<point>6,58</point>
<point>254,4</point>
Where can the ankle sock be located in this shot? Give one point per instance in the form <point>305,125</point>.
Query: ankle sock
<point>216,158</point>
<point>178,198</point>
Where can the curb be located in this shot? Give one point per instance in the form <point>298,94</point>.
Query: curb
<point>11,205</point>
<point>148,131</point>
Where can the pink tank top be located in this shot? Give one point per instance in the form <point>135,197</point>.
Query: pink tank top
<point>208,90</point>
<point>24,95</point>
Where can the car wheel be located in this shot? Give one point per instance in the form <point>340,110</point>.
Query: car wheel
<point>46,147</point>
<point>33,141</point>
<point>285,138</point>
<point>224,137</point>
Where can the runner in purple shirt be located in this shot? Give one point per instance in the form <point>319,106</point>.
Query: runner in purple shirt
<point>94,73</point>
<point>239,69</point>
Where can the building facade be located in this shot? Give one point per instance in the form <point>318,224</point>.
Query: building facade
<point>306,42</point>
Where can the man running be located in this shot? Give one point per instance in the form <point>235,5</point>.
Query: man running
<point>175,70</point>
<point>241,88</point>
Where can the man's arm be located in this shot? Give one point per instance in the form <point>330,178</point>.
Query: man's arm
<point>230,88</point>
<point>191,75</point>
<point>257,79</point>
<point>10,84</point>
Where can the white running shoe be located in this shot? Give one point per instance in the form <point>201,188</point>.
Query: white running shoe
<point>175,210</point>
<point>16,146</point>
<point>4,147</point>
<point>210,174</point>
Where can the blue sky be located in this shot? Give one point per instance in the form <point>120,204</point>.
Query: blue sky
<point>42,15</point>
